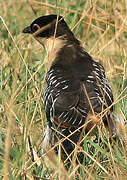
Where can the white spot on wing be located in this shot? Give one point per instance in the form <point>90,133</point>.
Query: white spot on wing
<point>80,121</point>
<point>54,82</point>
<point>65,87</point>
<point>89,81</point>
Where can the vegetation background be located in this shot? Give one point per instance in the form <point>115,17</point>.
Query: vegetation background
<point>101,25</point>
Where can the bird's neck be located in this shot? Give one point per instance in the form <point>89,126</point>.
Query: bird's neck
<point>52,46</point>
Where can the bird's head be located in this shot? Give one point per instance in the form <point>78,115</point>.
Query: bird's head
<point>49,26</point>
<point>46,26</point>
<point>52,32</point>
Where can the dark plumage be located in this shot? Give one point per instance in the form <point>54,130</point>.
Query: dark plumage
<point>76,85</point>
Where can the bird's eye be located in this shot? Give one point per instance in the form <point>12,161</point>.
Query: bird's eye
<point>35,27</point>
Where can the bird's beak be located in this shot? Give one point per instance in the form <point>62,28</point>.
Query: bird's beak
<point>27,30</point>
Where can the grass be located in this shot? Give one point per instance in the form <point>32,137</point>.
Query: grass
<point>102,28</point>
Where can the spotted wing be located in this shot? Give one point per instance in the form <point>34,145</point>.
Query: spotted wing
<point>62,97</point>
<point>67,104</point>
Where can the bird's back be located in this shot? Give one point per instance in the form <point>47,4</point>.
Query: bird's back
<point>75,87</point>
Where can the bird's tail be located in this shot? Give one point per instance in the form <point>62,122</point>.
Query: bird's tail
<point>66,141</point>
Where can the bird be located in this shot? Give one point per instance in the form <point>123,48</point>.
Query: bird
<point>77,92</point>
